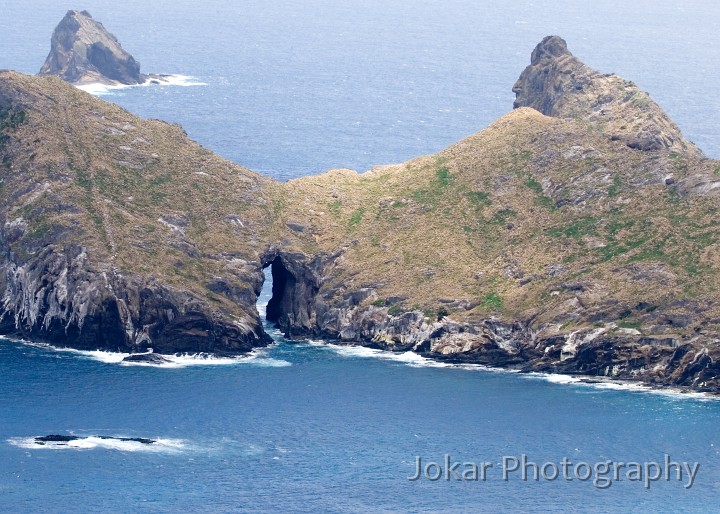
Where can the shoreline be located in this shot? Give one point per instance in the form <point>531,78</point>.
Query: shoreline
<point>599,382</point>
<point>407,357</point>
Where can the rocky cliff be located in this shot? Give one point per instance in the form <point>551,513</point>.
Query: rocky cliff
<point>82,51</point>
<point>577,234</point>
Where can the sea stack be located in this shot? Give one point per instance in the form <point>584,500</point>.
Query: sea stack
<point>82,51</point>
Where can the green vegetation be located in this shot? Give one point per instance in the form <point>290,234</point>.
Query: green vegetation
<point>356,218</point>
<point>478,198</point>
<point>443,176</point>
<point>540,199</point>
<point>396,310</point>
<point>334,207</point>
<point>577,229</point>
<point>502,216</point>
<point>493,301</point>
<point>9,120</point>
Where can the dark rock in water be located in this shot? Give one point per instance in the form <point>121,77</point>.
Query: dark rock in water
<point>149,358</point>
<point>55,438</point>
<point>141,440</point>
<point>82,51</point>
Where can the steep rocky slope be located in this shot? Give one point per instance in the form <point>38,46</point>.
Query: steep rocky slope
<point>577,234</point>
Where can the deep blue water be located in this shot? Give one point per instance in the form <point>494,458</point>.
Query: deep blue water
<point>299,87</point>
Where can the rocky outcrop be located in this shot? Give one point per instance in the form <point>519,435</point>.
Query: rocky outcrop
<point>147,358</point>
<point>82,51</point>
<point>558,84</point>
<point>58,439</point>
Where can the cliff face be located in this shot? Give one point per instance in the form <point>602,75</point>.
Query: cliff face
<point>82,51</point>
<point>579,240</point>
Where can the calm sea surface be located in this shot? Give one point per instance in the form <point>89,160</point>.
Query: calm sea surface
<point>293,88</point>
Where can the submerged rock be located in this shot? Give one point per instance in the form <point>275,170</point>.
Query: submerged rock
<point>82,51</point>
<point>55,438</point>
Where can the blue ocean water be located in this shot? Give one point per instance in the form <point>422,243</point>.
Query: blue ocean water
<point>293,88</point>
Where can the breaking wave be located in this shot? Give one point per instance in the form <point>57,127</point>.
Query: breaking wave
<point>116,443</point>
<point>99,89</point>
<point>601,383</point>
<point>409,358</point>
<point>258,357</point>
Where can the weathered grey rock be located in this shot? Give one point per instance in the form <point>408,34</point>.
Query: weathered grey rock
<point>558,84</point>
<point>82,51</point>
<point>147,358</point>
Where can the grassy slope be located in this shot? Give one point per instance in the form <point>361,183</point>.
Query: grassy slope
<point>532,218</point>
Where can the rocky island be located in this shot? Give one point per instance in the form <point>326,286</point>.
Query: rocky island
<point>577,234</point>
<point>83,52</point>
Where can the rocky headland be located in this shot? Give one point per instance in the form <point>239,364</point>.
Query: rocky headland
<point>577,234</point>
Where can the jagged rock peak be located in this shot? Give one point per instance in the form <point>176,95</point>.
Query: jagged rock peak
<point>82,51</point>
<point>549,47</point>
<point>558,84</point>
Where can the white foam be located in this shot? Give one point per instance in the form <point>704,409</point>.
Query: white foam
<point>411,359</point>
<point>554,378</point>
<point>99,89</point>
<point>602,383</point>
<point>257,357</point>
<point>99,443</point>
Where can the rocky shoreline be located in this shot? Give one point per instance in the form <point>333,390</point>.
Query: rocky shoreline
<point>590,355</point>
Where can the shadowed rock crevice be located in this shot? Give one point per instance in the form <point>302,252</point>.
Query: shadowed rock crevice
<point>295,288</point>
<point>280,276</point>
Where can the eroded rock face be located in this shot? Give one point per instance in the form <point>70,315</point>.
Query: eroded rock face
<point>61,297</point>
<point>61,281</point>
<point>120,233</point>
<point>558,84</point>
<point>83,51</point>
